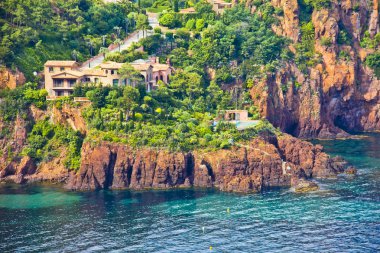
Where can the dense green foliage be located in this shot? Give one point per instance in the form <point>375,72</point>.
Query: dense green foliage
<point>318,4</point>
<point>179,115</point>
<point>13,102</point>
<point>45,142</point>
<point>373,61</point>
<point>237,46</point>
<point>235,38</point>
<point>368,42</point>
<point>35,31</point>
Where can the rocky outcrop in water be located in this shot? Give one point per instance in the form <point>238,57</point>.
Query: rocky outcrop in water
<point>306,186</point>
<point>260,164</point>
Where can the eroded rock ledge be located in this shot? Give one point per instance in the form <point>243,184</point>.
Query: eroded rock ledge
<point>276,161</point>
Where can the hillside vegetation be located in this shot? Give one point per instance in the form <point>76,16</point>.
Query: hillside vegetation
<point>33,32</point>
<point>298,74</point>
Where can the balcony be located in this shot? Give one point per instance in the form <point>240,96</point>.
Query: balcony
<point>65,84</point>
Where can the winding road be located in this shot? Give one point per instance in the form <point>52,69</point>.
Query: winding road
<point>133,37</point>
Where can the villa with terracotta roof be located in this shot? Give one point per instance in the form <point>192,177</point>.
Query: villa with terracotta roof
<point>62,76</point>
<point>219,5</point>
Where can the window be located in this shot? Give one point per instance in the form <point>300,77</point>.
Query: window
<point>124,82</point>
<point>112,72</point>
<point>107,72</point>
<point>115,82</point>
<point>87,80</point>
<point>96,80</point>
<point>51,69</point>
<point>59,93</point>
<point>62,68</point>
<point>72,83</point>
<point>58,83</point>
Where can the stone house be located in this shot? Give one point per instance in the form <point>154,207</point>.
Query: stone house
<point>219,6</point>
<point>62,76</point>
<point>240,115</point>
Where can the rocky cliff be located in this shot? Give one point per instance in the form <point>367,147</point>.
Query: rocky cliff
<point>266,161</point>
<point>337,95</point>
<point>10,79</point>
<point>279,161</point>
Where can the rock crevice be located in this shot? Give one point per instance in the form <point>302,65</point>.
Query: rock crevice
<point>248,168</point>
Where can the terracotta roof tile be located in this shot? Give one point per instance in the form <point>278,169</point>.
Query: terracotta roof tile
<point>111,65</point>
<point>158,67</point>
<point>61,63</point>
<point>188,10</point>
<point>141,66</point>
<point>94,72</point>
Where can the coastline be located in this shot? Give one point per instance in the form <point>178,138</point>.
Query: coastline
<point>274,161</point>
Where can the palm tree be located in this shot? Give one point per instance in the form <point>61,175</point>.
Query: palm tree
<point>170,37</point>
<point>142,22</point>
<point>126,21</point>
<point>118,42</point>
<point>104,40</point>
<point>91,44</point>
<point>103,50</point>
<point>75,54</point>
<point>118,30</point>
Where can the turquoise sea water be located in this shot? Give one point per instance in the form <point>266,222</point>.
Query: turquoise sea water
<point>344,216</point>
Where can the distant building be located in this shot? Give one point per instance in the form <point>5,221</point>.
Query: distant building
<point>239,115</point>
<point>190,10</point>
<point>219,5</point>
<point>62,76</point>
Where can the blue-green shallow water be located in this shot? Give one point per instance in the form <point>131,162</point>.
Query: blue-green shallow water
<point>342,217</point>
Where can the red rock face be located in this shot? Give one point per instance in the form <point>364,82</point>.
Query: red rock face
<point>18,169</point>
<point>337,96</point>
<point>248,168</point>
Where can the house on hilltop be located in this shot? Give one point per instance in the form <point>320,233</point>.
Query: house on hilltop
<point>219,6</point>
<point>62,76</point>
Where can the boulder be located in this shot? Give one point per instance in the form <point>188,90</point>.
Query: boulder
<point>351,170</point>
<point>306,186</point>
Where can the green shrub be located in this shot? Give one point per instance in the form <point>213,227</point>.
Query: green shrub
<point>344,55</point>
<point>200,24</point>
<point>45,140</point>
<point>169,19</point>
<point>356,7</point>
<point>343,37</point>
<point>367,42</point>
<point>326,41</point>
<point>373,61</point>
<point>319,4</point>
<point>190,24</point>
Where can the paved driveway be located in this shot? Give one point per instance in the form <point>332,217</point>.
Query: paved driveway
<point>133,37</point>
